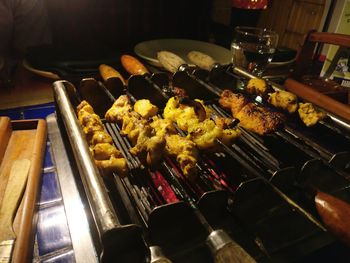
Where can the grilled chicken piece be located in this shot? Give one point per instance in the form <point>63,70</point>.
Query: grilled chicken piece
<point>132,126</point>
<point>145,108</point>
<point>232,101</point>
<point>205,134</point>
<point>252,117</point>
<point>284,100</point>
<point>90,122</point>
<point>183,116</point>
<point>258,119</point>
<point>309,115</point>
<point>84,105</point>
<point>106,155</point>
<point>256,86</point>
<point>162,126</point>
<point>185,152</point>
<point>101,137</point>
<point>103,151</point>
<point>153,146</point>
<point>113,164</point>
<point>202,130</point>
<point>119,109</point>
<point>151,138</point>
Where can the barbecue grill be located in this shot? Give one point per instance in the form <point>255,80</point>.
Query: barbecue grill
<point>259,190</point>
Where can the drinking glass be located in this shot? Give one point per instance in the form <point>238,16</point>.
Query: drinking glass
<point>252,48</point>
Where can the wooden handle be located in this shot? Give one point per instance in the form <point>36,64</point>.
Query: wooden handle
<point>157,255</point>
<point>14,190</point>
<point>108,72</point>
<point>233,253</point>
<point>335,214</point>
<point>225,250</point>
<point>133,66</point>
<point>319,99</point>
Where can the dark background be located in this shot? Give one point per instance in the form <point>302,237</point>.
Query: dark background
<point>123,23</point>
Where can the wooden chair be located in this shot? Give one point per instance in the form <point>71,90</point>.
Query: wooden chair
<point>325,93</point>
<point>305,54</point>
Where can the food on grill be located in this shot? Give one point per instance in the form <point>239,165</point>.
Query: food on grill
<point>133,66</point>
<point>113,164</point>
<point>284,100</point>
<point>198,107</point>
<point>258,119</point>
<point>152,138</point>
<point>101,137</point>
<point>151,144</point>
<point>201,60</point>
<point>170,61</point>
<point>119,109</point>
<point>102,151</point>
<point>106,155</point>
<point>185,152</point>
<point>203,132</point>
<point>109,72</point>
<point>309,115</point>
<point>256,86</point>
<point>145,108</point>
<point>162,126</point>
<point>183,114</point>
<point>252,117</point>
<point>233,101</point>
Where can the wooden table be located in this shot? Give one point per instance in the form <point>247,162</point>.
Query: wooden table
<point>29,89</point>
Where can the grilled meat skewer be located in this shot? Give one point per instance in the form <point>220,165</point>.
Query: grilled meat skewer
<point>251,116</point>
<point>222,246</point>
<point>106,155</point>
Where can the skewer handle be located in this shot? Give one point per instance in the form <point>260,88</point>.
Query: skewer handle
<point>335,214</point>
<point>321,100</point>
<point>157,255</point>
<point>225,250</point>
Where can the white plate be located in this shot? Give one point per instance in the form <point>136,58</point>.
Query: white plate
<point>46,74</point>
<point>148,50</point>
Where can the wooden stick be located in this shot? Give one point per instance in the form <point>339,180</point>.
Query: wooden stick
<point>319,99</point>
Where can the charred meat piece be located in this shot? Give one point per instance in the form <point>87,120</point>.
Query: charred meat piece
<point>252,117</point>
<point>258,119</point>
<point>232,101</point>
<point>284,100</point>
<point>309,115</point>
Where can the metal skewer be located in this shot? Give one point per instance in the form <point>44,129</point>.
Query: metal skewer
<point>223,248</point>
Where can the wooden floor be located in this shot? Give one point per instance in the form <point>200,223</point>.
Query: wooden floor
<point>29,89</point>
